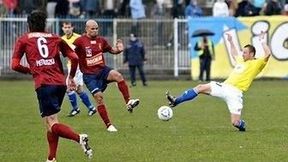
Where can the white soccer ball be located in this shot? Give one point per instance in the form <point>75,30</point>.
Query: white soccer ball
<point>165,113</point>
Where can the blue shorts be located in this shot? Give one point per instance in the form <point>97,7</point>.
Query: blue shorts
<point>97,82</point>
<point>50,98</point>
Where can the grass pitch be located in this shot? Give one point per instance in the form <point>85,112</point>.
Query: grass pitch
<point>199,131</point>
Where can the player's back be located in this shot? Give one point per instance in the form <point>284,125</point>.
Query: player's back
<point>43,55</point>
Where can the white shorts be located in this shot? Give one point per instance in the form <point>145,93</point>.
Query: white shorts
<point>78,78</point>
<point>231,95</point>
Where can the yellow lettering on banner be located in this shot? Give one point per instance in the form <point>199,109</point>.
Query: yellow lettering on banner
<point>95,60</point>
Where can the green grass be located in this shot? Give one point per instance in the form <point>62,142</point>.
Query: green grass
<point>199,131</point>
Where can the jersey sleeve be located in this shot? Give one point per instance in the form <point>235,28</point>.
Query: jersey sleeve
<point>18,53</point>
<point>106,46</point>
<point>76,43</point>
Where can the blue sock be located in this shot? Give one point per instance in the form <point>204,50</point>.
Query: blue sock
<point>187,95</point>
<point>73,99</point>
<point>85,99</point>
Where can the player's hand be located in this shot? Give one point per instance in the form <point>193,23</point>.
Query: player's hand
<point>120,45</point>
<point>71,84</point>
<point>262,37</point>
<point>229,37</point>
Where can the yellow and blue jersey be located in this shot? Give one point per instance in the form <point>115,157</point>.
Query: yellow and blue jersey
<point>244,72</point>
<point>70,42</point>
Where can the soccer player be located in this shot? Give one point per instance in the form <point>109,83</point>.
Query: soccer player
<point>246,69</point>
<point>42,51</point>
<point>96,75</point>
<point>69,37</point>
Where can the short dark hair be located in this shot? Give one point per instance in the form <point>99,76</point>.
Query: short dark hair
<point>37,21</point>
<point>251,48</point>
<point>67,22</point>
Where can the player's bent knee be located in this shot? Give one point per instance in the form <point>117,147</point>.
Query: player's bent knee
<point>98,98</point>
<point>116,76</point>
<point>203,88</point>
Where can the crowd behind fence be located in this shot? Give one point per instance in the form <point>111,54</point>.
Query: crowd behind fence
<point>162,50</point>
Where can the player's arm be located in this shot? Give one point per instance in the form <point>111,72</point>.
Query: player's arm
<point>267,50</point>
<point>118,48</point>
<point>233,49</point>
<point>16,58</point>
<point>72,56</point>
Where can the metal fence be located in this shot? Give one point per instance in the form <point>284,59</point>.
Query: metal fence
<point>165,40</point>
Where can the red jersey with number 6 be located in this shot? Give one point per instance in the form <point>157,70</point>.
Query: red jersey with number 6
<point>42,51</point>
<point>90,53</point>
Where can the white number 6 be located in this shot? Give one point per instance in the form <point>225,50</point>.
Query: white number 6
<point>42,47</point>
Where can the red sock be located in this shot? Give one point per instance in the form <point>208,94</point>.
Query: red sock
<point>53,144</point>
<point>65,132</point>
<point>104,115</point>
<point>122,86</point>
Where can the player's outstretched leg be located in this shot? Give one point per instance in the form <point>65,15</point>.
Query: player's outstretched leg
<point>65,131</point>
<point>132,103</point>
<point>85,146</point>
<point>171,99</point>
<point>187,95</point>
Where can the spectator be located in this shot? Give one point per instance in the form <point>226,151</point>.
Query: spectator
<point>27,6</point>
<point>177,8</point>
<point>110,11</point>
<point>91,8</point>
<point>74,8</point>
<point>137,12</point>
<point>10,6</point>
<point>193,10</point>
<point>206,49</point>
<point>246,8</point>
<point>158,14</point>
<point>134,54</point>
<point>259,4</point>
<point>272,7</point>
<point>232,5</point>
<point>220,8</point>
<point>123,10</point>
<point>50,8</point>
<point>110,8</point>
<point>62,8</point>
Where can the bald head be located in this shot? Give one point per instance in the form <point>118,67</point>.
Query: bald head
<point>91,28</point>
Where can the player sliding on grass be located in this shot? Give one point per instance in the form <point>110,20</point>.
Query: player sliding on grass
<point>42,51</point>
<point>231,89</point>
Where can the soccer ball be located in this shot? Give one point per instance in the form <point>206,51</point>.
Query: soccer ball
<point>165,113</point>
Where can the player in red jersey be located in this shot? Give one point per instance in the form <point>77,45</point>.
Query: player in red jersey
<point>96,75</point>
<point>42,51</point>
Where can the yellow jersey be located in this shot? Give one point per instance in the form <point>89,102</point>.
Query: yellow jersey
<point>70,42</point>
<point>244,72</point>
